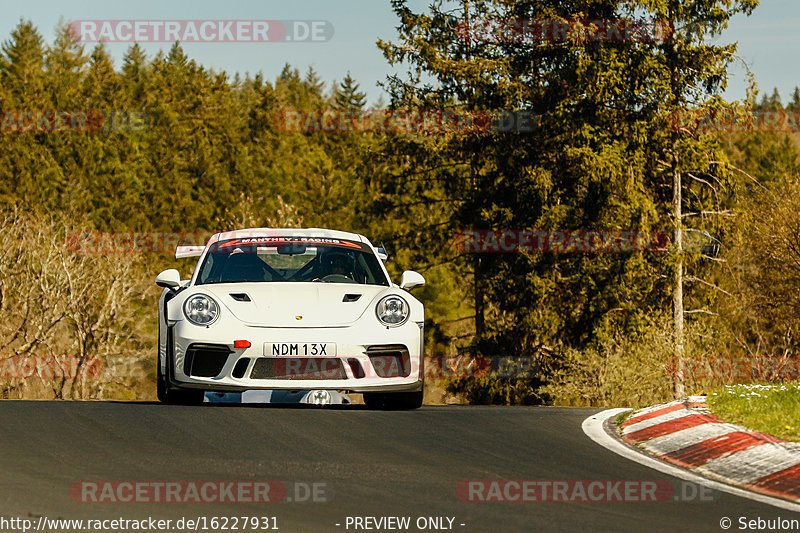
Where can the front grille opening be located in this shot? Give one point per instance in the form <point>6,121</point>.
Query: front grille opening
<point>240,368</point>
<point>356,368</point>
<point>298,368</point>
<point>391,361</point>
<point>205,360</point>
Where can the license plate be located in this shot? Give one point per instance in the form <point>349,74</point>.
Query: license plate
<point>300,349</point>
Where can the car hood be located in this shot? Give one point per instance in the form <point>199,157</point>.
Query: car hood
<point>298,305</point>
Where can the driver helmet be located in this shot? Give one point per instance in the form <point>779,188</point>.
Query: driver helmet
<point>338,262</point>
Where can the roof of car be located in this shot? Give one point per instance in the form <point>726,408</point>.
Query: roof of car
<point>287,232</point>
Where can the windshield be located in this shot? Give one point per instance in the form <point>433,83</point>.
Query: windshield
<point>291,259</point>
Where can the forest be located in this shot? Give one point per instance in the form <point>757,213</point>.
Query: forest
<point>163,146</point>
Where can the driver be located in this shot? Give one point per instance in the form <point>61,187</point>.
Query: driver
<point>340,263</point>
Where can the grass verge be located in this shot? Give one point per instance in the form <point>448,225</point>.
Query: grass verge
<point>773,409</point>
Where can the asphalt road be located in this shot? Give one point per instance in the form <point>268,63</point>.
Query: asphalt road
<point>373,464</point>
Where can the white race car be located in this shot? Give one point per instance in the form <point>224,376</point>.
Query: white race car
<point>292,309</point>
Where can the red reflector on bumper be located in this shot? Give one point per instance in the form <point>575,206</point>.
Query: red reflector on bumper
<point>241,344</point>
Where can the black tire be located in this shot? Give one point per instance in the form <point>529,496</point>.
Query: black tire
<point>173,396</point>
<point>185,396</point>
<point>161,384</point>
<point>393,401</point>
<point>372,400</point>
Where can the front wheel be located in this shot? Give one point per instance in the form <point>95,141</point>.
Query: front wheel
<point>161,384</point>
<point>171,396</point>
<point>185,396</point>
<point>393,401</point>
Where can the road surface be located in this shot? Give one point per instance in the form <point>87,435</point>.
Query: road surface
<point>372,464</point>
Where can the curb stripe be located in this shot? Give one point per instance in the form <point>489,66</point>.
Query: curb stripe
<point>686,434</point>
<point>754,463</point>
<point>687,437</point>
<point>656,407</point>
<point>595,428</point>
<point>703,452</point>
<point>783,482</point>
<point>658,430</point>
<point>691,401</point>
<point>633,428</point>
<point>652,414</point>
<point>636,418</point>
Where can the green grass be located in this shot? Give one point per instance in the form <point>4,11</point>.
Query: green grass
<point>773,409</point>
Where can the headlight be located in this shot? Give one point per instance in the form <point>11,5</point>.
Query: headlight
<point>392,311</point>
<point>200,309</point>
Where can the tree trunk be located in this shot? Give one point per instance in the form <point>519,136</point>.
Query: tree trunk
<point>480,325</point>
<point>677,296</point>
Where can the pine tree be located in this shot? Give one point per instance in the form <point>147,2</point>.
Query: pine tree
<point>795,103</point>
<point>102,85</point>
<point>25,166</point>
<point>22,66</point>
<point>64,64</point>
<point>771,102</point>
<point>591,165</point>
<point>135,73</point>
<point>314,83</point>
<point>346,95</point>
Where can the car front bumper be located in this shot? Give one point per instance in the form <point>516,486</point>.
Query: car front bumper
<point>368,359</point>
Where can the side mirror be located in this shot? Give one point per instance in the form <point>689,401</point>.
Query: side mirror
<point>411,280</point>
<point>170,279</point>
<point>382,254</point>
